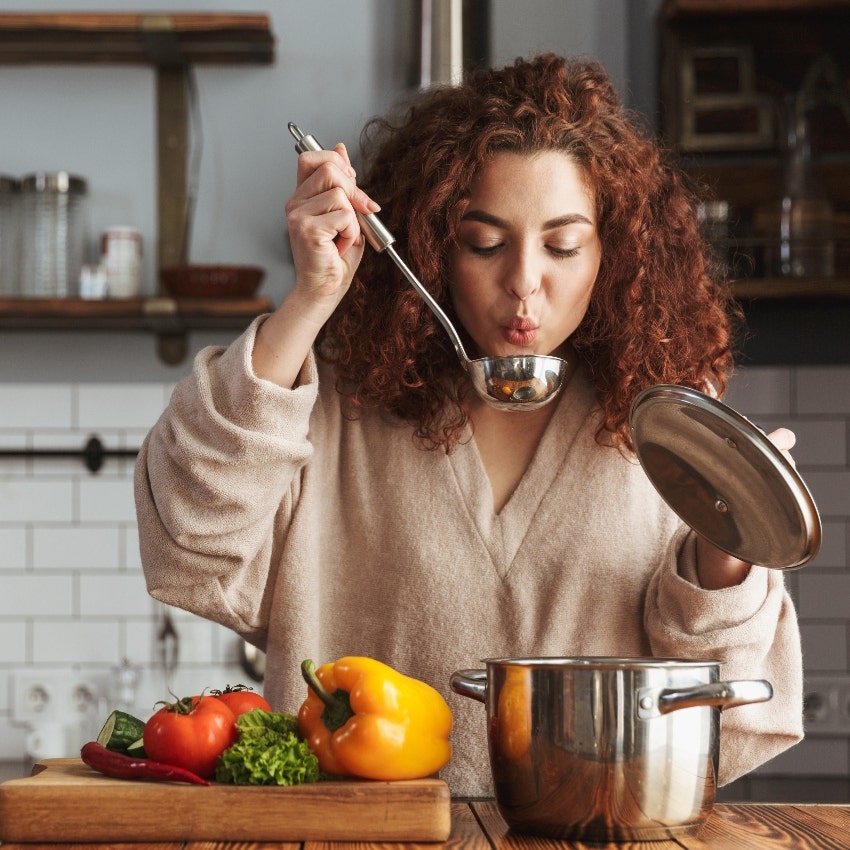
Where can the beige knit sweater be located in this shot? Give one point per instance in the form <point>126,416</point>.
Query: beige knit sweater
<point>317,536</point>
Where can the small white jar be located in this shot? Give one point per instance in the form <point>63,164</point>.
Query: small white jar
<point>121,257</point>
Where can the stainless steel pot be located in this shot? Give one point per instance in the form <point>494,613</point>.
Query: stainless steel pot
<point>604,749</point>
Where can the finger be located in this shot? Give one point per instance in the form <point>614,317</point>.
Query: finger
<point>327,176</point>
<point>363,203</point>
<point>783,438</point>
<point>324,219</point>
<point>348,233</point>
<point>341,149</point>
<point>359,199</point>
<point>311,161</point>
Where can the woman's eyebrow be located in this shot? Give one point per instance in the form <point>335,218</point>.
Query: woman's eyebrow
<point>495,221</point>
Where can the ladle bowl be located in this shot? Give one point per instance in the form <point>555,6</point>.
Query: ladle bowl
<point>513,382</point>
<point>521,382</point>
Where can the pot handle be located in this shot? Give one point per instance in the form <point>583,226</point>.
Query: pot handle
<point>654,702</point>
<point>470,683</point>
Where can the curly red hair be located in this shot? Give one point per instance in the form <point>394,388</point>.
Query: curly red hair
<point>659,312</point>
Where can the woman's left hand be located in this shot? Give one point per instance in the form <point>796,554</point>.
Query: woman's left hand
<point>784,440</point>
<point>717,569</point>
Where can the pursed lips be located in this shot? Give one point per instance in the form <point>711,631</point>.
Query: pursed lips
<point>520,331</point>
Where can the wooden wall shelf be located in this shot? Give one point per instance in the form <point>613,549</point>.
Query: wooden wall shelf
<point>169,318</point>
<point>156,314</point>
<point>730,8</point>
<point>135,38</point>
<point>745,180</point>
<point>788,288</point>
<point>171,44</point>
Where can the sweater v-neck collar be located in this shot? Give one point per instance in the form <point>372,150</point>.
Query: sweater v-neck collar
<point>503,534</point>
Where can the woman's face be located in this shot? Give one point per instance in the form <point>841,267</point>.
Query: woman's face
<point>528,254</point>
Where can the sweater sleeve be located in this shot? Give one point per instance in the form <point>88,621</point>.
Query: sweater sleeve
<point>752,631</point>
<point>214,476</point>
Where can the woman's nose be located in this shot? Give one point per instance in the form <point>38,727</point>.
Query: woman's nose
<point>523,277</point>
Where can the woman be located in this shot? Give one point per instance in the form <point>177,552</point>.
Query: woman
<point>330,484</point>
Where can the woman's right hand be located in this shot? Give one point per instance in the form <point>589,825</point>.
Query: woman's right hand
<point>324,232</point>
<point>327,246</point>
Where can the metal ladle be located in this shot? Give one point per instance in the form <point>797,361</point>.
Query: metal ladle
<point>515,382</point>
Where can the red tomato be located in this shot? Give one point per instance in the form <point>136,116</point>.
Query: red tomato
<point>240,699</point>
<point>190,733</point>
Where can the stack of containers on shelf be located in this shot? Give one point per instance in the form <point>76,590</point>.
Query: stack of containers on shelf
<point>9,195</point>
<point>53,234</point>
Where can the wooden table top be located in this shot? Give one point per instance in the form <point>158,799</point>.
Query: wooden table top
<point>478,826</point>
<point>747,826</point>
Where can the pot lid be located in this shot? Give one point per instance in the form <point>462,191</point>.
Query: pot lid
<point>724,478</point>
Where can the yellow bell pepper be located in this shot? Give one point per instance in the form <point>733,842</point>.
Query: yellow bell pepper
<point>362,718</point>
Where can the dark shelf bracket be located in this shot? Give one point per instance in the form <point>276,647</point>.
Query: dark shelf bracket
<point>172,348</point>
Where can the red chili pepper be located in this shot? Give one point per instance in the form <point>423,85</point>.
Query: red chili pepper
<point>120,766</point>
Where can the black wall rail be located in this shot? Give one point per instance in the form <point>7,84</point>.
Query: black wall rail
<point>93,454</point>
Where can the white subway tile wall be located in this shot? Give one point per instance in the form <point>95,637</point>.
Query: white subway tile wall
<point>814,402</point>
<point>73,596</point>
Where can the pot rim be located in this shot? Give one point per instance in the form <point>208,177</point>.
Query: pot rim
<point>601,662</point>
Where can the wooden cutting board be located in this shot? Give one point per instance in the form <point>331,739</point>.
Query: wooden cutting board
<point>66,801</point>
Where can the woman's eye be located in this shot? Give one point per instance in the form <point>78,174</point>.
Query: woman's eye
<point>485,250</point>
<point>563,252</point>
<point>489,249</point>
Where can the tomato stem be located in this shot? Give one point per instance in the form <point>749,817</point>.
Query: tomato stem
<point>232,689</point>
<point>182,705</point>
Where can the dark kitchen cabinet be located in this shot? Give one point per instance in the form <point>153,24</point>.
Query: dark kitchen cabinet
<point>728,71</point>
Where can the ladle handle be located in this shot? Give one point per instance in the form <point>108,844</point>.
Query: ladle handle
<point>382,240</point>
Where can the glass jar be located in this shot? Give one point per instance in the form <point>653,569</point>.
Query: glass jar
<point>805,247</point>
<point>9,196</point>
<point>54,230</point>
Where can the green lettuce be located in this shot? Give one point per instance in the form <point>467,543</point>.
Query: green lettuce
<point>268,751</point>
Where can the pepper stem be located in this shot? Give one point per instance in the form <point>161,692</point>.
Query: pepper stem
<point>337,706</point>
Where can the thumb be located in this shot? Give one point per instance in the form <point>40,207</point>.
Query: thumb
<point>353,254</point>
<point>784,440</point>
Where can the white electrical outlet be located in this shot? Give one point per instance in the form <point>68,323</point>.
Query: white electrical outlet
<point>41,697</point>
<point>826,705</point>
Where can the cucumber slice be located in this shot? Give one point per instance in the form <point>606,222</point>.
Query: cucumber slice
<point>137,749</point>
<point>121,731</point>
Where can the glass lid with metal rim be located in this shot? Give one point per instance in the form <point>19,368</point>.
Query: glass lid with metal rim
<point>724,477</point>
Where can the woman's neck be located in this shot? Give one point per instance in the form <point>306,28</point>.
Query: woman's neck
<point>506,442</point>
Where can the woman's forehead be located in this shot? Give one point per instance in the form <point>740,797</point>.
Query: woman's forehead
<point>549,181</point>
